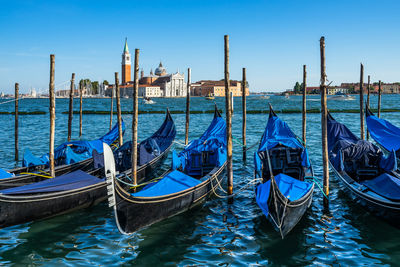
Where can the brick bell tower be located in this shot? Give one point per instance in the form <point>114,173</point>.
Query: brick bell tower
<point>126,64</point>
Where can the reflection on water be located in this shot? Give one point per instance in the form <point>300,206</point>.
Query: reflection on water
<point>211,234</point>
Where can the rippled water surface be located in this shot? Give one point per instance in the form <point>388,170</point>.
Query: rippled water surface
<point>216,233</point>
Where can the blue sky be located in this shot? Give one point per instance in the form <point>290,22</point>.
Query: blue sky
<point>272,39</point>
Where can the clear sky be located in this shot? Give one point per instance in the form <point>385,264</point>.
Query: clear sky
<point>272,39</point>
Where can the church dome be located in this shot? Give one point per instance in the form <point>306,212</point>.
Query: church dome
<point>160,70</point>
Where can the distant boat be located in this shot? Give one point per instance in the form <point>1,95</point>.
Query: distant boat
<point>147,101</point>
<point>265,97</point>
<point>341,96</point>
<point>287,96</point>
<point>210,96</point>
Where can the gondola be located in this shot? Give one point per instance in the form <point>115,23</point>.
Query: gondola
<point>69,157</point>
<point>385,134</point>
<point>194,175</point>
<point>283,166</point>
<point>81,189</point>
<point>365,172</point>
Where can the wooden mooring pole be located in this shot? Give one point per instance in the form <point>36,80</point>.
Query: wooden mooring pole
<point>16,120</point>
<point>368,92</point>
<point>324,118</point>
<point>244,81</point>
<point>118,96</point>
<point>112,104</point>
<point>228,108</point>
<point>304,111</point>
<point>362,101</point>
<point>71,103</point>
<point>135,117</point>
<point>379,98</point>
<point>52,111</point>
<point>187,107</point>
<point>80,107</point>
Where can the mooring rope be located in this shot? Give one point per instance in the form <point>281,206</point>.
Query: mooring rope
<point>315,181</point>
<point>251,182</point>
<point>12,100</point>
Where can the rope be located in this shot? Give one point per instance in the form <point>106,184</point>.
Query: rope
<point>253,181</point>
<point>240,143</point>
<point>179,143</point>
<point>36,174</point>
<point>317,183</point>
<point>10,101</point>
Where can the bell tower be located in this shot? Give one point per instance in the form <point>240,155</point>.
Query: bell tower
<point>126,64</point>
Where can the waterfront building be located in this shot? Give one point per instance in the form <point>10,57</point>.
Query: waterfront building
<point>216,88</point>
<point>126,64</point>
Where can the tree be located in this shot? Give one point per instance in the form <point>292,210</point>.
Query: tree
<point>297,88</point>
<point>105,82</point>
<point>95,87</point>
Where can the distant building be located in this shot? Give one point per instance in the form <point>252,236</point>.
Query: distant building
<point>149,91</point>
<point>335,90</point>
<point>216,88</point>
<point>126,64</point>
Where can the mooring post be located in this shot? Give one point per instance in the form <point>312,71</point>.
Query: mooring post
<point>244,81</point>
<point>324,116</point>
<point>379,99</point>
<point>80,107</point>
<point>304,111</point>
<point>228,108</point>
<point>187,107</point>
<point>52,111</point>
<point>362,101</point>
<point>16,120</point>
<point>135,117</point>
<point>368,92</point>
<point>117,93</point>
<point>112,104</point>
<point>71,103</point>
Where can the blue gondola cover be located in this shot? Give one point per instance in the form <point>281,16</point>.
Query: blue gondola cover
<point>70,152</point>
<point>383,132</point>
<point>385,185</point>
<point>291,188</point>
<point>174,182</point>
<point>5,174</point>
<point>74,180</point>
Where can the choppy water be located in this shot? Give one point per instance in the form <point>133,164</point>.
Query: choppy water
<point>216,233</point>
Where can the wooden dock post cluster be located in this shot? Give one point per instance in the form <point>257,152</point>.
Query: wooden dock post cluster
<point>362,101</point>
<point>304,110</point>
<point>16,120</point>
<point>71,103</point>
<point>135,117</point>
<point>379,98</point>
<point>118,96</point>
<point>52,110</point>
<point>187,107</point>
<point>244,113</point>
<point>324,119</point>
<point>228,109</point>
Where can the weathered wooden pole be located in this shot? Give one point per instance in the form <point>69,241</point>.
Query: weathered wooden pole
<point>52,111</point>
<point>379,99</point>
<point>304,111</point>
<point>135,117</point>
<point>324,116</point>
<point>16,120</point>
<point>368,92</point>
<point>80,107</point>
<point>228,108</point>
<point>362,101</point>
<point>117,93</point>
<point>112,104</point>
<point>71,103</point>
<point>187,107</point>
<point>244,113</point>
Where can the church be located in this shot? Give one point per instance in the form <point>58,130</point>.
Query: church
<point>157,84</point>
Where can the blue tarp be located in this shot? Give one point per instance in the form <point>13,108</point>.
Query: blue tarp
<point>70,181</point>
<point>383,132</point>
<point>174,182</point>
<point>5,174</point>
<point>71,152</point>
<point>213,139</point>
<point>291,188</point>
<point>278,132</point>
<point>385,185</point>
<point>339,132</point>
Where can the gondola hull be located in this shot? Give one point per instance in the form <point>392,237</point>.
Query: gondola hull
<point>387,210</point>
<point>134,213</point>
<point>21,209</point>
<point>287,213</point>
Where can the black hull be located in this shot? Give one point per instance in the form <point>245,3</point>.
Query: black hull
<point>285,213</point>
<point>21,209</point>
<point>387,210</point>
<point>134,213</point>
